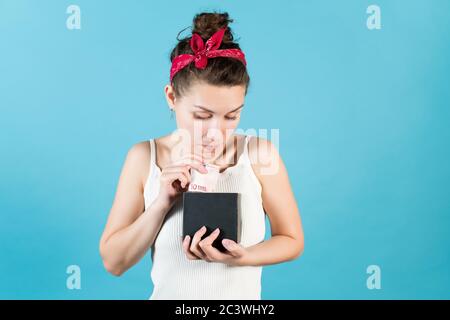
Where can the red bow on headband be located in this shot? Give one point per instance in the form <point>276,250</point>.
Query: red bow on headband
<point>203,52</point>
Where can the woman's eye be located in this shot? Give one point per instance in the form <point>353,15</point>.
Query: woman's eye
<point>200,118</point>
<point>209,117</point>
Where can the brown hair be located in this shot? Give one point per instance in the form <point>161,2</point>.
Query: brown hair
<point>220,71</point>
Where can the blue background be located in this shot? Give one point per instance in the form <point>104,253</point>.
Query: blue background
<point>364,130</point>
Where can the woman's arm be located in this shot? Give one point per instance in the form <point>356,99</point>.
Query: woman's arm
<point>131,231</point>
<point>287,241</point>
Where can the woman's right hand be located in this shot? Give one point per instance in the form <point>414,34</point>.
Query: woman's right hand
<point>176,177</point>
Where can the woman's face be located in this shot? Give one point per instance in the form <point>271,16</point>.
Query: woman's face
<point>208,113</point>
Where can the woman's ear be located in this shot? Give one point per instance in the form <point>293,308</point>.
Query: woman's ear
<point>170,96</point>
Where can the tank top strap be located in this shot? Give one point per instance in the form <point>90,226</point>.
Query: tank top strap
<point>152,151</point>
<point>244,155</point>
<point>153,167</point>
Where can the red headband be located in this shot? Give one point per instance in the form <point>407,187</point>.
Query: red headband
<point>201,54</point>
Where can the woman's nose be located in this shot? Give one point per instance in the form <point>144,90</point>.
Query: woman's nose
<point>214,126</point>
<point>213,134</point>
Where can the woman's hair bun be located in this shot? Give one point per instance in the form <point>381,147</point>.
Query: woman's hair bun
<point>220,71</point>
<point>207,23</point>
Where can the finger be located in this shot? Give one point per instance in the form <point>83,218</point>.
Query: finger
<point>179,168</point>
<point>186,249</point>
<point>210,239</point>
<point>189,157</point>
<point>206,246</point>
<point>184,170</point>
<point>195,249</point>
<point>233,248</point>
<point>198,165</point>
<point>184,181</point>
<point>171,177</point>
<point>213,254</point>
<point>192,156</point>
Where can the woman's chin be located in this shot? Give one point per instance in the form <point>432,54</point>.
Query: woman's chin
<point>208,153</point>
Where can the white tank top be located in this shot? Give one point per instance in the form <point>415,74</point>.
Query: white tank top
<point>174,276</point>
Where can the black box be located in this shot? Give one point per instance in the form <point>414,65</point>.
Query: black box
<point>213,210</point>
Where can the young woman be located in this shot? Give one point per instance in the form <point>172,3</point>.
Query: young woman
<point>208,84</point>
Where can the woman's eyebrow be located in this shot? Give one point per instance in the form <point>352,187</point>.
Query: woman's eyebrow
<point>206,109</point>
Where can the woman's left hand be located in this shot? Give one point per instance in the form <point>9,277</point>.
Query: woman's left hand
<point>203,249</point>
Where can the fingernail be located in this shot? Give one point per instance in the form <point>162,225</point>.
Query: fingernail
<point>226,243</point>
<point>186,238</point>
<point>217,230</point>
<point>203,228</point>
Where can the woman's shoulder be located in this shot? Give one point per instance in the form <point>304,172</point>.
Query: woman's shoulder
<point>139,156</point>
<point>139,151</point>
<point>142,150</point>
